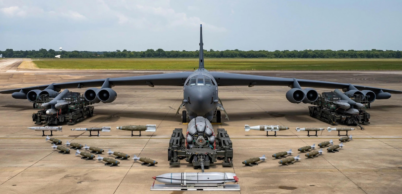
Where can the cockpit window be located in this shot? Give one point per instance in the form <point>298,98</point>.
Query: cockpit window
<point>208,82</point>
<point>200,81</point>
<point>192,81</point>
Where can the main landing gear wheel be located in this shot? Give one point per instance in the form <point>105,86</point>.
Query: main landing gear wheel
<point>218,116</point>
<point>184,116</point>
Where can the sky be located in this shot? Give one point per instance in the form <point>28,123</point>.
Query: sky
<point>101,25</point>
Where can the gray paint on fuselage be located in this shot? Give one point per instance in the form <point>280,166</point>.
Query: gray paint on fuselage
<point>200,94</point>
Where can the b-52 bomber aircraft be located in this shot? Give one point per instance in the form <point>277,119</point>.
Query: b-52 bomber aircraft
<point>200,89</point>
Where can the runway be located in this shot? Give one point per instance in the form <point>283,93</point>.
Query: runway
<point>370,163</point>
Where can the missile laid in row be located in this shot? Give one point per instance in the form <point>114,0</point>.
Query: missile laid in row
<point>85,155</point>
<point>267,128</point>
<point>74,145</point>
<point>314,153</point>
<point>139,128</point>
<point>46,128</point>
<point>253,161</point>
<point>94,149</point>
<point>97,129</point>
<point>145,161</point>
<point>345,139</point>
<point>339,129</point>
<point>54,140</point>
<point>290,160</point>
<point>61,148</point>
<point>306,148</point>
<point>309,129</point>
<point>282,154</point>
<point>118,154</point>
<point>334,148</point>
<point>325,143</point>
<point>108,161</point>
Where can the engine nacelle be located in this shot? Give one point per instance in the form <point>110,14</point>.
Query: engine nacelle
<point>106,95</point>
<point>33,95</point>
<point>91,95</point>
<point>370,95</point>
<point>353,93</point>
<point>19,95</point>
<point>311,95</point>
<point>49,92</point>
<point>383,95</point>
<point>295,95</point>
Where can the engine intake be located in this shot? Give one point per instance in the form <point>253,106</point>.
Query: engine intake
<point>295,95</point>
<point>106,95</point>
<point>311,95</point>
<point>370,95</point>
<point>33,95</point>
<point>91,95</point>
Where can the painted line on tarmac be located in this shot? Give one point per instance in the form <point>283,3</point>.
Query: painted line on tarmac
<point>147,138</point>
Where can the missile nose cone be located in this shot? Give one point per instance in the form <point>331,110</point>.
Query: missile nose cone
<point>154,177</point>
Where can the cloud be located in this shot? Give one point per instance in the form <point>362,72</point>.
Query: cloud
<point>73,15</point>
<point>13,11</point>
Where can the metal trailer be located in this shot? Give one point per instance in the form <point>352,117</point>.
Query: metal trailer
<point>77,110</point>
<point>325,110</point>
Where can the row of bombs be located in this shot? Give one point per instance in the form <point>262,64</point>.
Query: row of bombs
<point>132,128</point>
<point>291,160</point>
<point>57,144</point>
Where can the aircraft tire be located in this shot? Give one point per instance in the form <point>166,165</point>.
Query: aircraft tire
<point>184,116</point>
<point>218,116</point>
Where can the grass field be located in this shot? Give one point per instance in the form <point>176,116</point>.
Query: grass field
<point>223,64</point>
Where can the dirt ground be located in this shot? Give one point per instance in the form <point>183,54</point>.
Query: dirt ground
<point>371,163</point>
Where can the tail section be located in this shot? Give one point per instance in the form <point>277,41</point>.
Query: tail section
<point>201,60</point>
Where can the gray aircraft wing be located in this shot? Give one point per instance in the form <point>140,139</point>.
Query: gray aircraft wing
<point>231,79</point>
<point>169,79</point>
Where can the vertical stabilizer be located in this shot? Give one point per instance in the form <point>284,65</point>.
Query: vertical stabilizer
<point>201,60</point>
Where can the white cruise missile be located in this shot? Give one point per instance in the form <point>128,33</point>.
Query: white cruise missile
<point>46,128</point>
<point>265,128</point>
<point>197,178</point>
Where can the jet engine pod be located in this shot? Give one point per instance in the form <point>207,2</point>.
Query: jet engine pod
<point>369,94</point>
<point>33,95</point>
<point>295,95</point>
<point>383,95</point>
<point>49,92</point>
<point>19,95</point>
<point>353,93</point>
<point>90,95</point>
<point>107,95</point>
<point>311,95</point>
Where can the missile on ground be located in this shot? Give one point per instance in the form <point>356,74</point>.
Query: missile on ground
<point>118,154</point>
<point>74,145</point>
<point>345,139</point>
<point>325,143</point>
<point>145,161</point>
<point>108,161</point>
<point>309,129</point>
<point>267,128</point>
<point>289,160</point>
<point>339,129</point>
<point>46,128</point>
<point>94,149</point>
<point>61,148</point>
<point>85,155</point>
<point>282,154</point>
<point>306,148</point>
<point>314,153</point>
<point>334,148</point>
<point>139,128</point>
<point>53,140</point>
<point>253,161</point>
<point>197,178</point>
<point>103,129</point>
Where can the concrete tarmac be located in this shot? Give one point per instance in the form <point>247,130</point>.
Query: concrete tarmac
<point>370,163</point>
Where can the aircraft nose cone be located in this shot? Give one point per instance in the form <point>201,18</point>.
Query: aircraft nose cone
<point>200,100</point>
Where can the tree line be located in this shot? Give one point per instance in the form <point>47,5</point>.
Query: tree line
<point>160,53</point>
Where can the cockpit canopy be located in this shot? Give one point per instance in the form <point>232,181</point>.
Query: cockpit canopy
<point>200,80</point>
